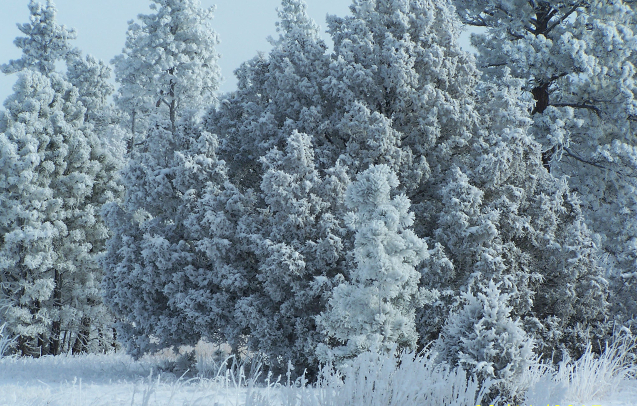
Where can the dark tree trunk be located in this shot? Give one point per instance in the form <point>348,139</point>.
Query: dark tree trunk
<point>81,341</point>
<point>56,327</point>
<point>131,141</point>
<point>544,12</point>
<point>541,96</point>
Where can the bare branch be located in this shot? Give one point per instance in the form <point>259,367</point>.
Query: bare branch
<point>477,21</point>
<point>498,7</point>
<point>519,36</point>
<point>556,77</point>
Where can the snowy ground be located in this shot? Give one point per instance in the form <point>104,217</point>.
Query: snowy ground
<point>118,380</point>
<point>102,380</point>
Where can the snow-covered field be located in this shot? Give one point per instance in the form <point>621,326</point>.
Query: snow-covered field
<point>116,379</point>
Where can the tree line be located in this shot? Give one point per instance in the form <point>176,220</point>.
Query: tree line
<point>391,192</point>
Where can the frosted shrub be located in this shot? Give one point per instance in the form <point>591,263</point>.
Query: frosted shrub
<point>483,338</point>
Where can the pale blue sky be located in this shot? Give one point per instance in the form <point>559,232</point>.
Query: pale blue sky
<point>243,27</point>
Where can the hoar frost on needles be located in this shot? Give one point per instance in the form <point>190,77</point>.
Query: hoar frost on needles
<point>168,74</point>
<point>375,307</point>
<point>168,67</point>
<point>577,61</point>
<point>55,176</point>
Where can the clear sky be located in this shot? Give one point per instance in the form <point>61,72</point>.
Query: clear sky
<point>243,27</point>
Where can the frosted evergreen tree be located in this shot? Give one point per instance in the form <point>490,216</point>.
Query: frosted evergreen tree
<point>398,90</point>
<point>168,67</point>
<point>277,94</point>
<point>577,62</point>
<point>45,43</point>
<point>207,291</point>
<point>496,217</point>
<point>91,78</point>
<point>27,256</point>
<point>298,242</point>
<point>167,74</point>
<point>158,257</point>
<point>57,176</point>
<point>400,61</point>
<point>396,66</point>
<point>290,243</point>
<point>375,307</point>
<point>484,339</point>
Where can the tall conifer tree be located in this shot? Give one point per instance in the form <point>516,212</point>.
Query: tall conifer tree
<point>55,176</point>
<point>168,74</point>
<point>577,63</point>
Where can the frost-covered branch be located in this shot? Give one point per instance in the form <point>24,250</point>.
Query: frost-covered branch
<point>579,106</point>
<point>563,18</point>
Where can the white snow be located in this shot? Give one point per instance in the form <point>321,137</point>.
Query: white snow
<point>116,379</point>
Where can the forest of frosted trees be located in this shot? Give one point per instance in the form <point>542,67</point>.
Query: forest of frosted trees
<point>389,193</point>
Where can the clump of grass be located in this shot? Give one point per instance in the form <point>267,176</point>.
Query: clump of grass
<point>374,379</point>
<point>6,342</point>
<point>594,378</point>
<point>591,377</point>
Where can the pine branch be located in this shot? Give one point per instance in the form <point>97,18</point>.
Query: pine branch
<point>577,157</point>
<point>563,18</point>
<point>579,106</point>
<point>495,65</point>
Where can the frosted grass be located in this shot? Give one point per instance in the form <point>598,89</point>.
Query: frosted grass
<point>610,378</point>
<point>370,380</point>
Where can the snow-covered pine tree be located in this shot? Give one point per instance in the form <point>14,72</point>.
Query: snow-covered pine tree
<point>45,42</point>
<point>54,178</point>
<point>375,307</point>
<point>298,242</point>
<point>276,94</point>
<point>27,256</point>
<point>484,339</point>
<point>401,61</point>
<point>91,78</point>
<point>168,74</point>
<point>577,61</point>
<point>208,289</point>
<point>168,67</point>
<point>290,241</point>
<point>165,258</point>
